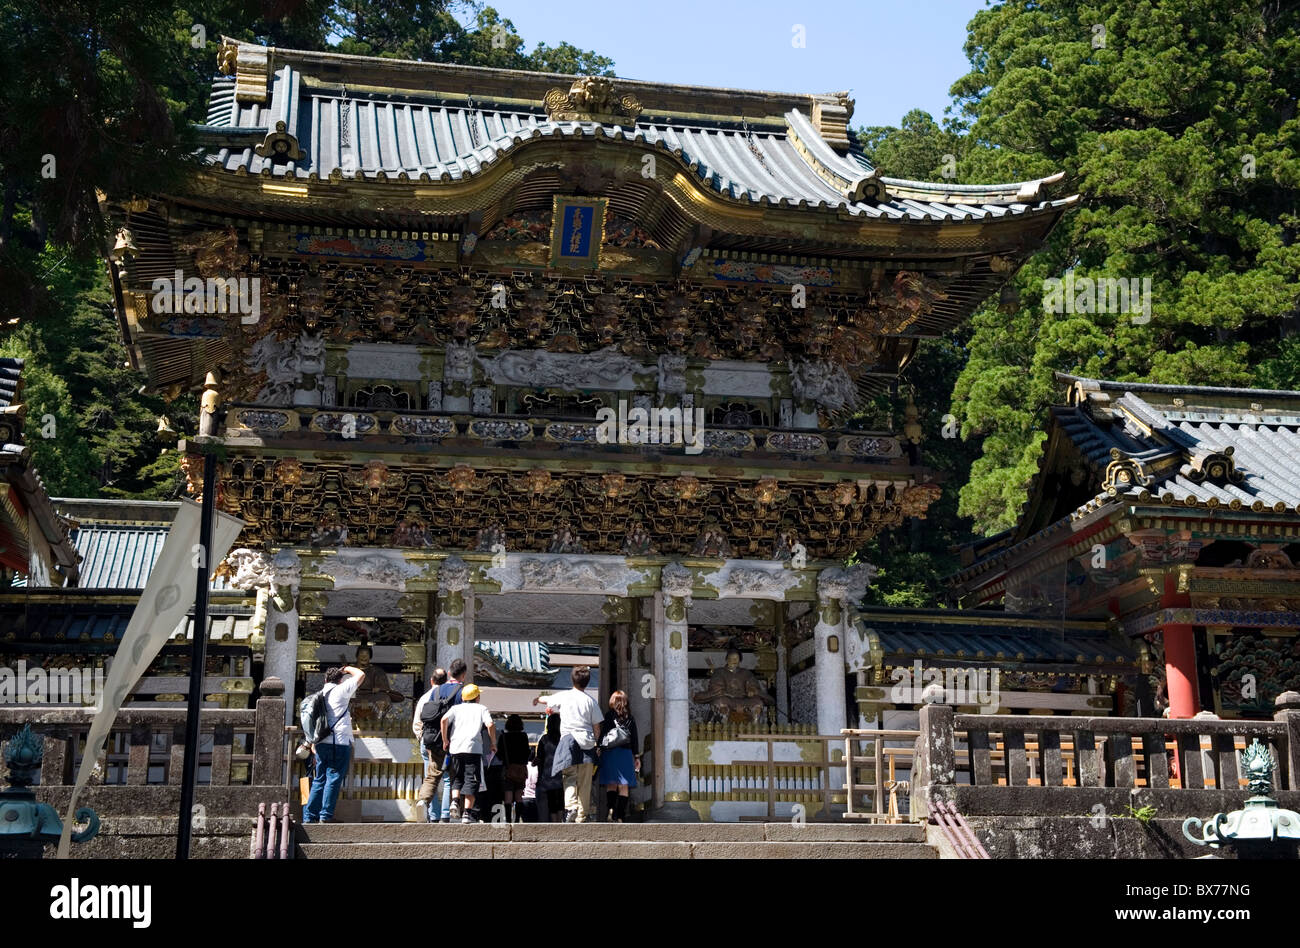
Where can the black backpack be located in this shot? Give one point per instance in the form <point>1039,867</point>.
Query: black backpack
<point>313,715</point>
<point>431,721</point>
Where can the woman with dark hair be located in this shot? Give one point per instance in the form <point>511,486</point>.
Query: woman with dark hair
<point>550,787</point>
<point>514,755</point>
<point>619,761</point>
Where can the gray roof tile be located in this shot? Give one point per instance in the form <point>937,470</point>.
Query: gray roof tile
<point>121,556</point>
<point>401,134</point>
<point>1261,438</point>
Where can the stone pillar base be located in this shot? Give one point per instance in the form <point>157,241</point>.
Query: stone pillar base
<point>679,811</point>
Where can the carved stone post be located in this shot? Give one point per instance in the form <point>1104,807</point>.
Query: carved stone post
<point>675,582</point>
<point>1288,713</point>
<point>282,650</point>
<point>934,767</point>
<point>268,735</point>
<point>455,614</point>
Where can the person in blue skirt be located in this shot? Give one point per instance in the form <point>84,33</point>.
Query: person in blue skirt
<point>619,760</point>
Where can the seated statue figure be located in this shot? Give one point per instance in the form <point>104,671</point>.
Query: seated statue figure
<point>373,697</point>
<point>735,694</point>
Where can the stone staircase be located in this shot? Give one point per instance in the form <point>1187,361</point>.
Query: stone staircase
<point>612,841</point>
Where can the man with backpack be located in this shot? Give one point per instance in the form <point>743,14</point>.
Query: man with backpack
<point>441,700</point>
<point>327,723</point>
<point>430,791</point>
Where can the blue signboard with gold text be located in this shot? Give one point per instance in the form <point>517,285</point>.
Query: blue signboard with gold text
<point>577,229</point>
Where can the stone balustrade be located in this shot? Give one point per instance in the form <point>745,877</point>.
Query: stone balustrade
<point>137,792</point>
<point>1064,765</point>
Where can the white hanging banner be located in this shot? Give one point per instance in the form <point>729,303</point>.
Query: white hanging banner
<point>167,597</point>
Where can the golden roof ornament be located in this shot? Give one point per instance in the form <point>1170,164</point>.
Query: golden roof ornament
<point>912,429</point>
<point>592,99</point>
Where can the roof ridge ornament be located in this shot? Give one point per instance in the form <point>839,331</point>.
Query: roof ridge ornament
<point>250,65</point>
<point>830,115</point>
<point>592,99</point>
<point>1214,464</point>
<point>856,183</point>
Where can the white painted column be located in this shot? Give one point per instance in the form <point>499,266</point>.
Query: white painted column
<point>657,690</point>
<point>677,694</point>
<point>837,590</point>
<point>672,602</point>
<point>453,629</point>
<point>828,636</point>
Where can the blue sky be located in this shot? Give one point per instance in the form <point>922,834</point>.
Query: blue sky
<point>893,54</point>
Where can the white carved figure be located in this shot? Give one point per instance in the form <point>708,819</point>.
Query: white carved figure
<point>857,647</point>
<point>483,401</point>
<point>828,385</point>
<point>286,570</point>
<point>739,581</point>
<point>584,574</point>
<point>459,366</point>
<point>676,580</point>
<point>538,368</point>
<point>285,361</point>
<point>371,569</point>
<point>747,580</point>
<point>311,353</point>
<point>453,576</point>
<point>286,574</point>
<point>672,373</point>
<point>248,568</point>
<point>849,585</point>
<point>279,360</point>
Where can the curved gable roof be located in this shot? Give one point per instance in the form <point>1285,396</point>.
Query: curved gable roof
<point>427,123</point>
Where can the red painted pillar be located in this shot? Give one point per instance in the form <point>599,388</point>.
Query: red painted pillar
<point>1180,659</point>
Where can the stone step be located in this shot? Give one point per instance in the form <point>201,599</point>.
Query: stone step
<point>520,833</point>
<point>574,849</point>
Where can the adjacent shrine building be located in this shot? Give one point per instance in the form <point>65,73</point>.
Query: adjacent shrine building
<point>1173,511</point>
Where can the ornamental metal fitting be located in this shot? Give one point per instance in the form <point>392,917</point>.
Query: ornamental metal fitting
<point>25,825</point>
<point>1261,821</point>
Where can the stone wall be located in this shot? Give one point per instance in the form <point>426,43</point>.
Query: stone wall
<point>1079,837</point>
<point>141,822</point>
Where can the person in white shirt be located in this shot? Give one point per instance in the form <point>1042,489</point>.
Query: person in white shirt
<point>333,753</point>
<point>462,734</point>
<point>580,721</point>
